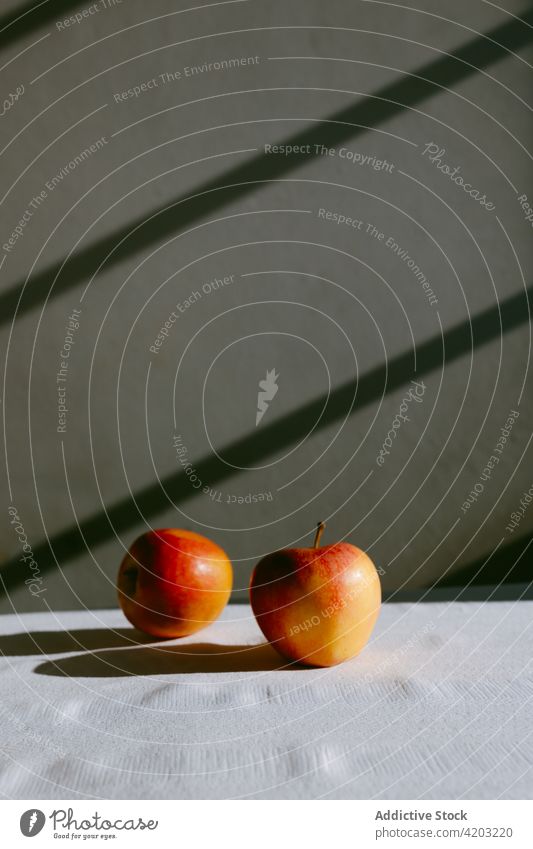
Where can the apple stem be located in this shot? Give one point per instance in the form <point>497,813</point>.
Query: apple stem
<point>319,531</point>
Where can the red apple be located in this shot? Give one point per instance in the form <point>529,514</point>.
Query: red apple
<point>317,606</point>
<point>172,583</point>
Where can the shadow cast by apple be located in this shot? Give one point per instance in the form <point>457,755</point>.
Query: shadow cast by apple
<point>79,639</point>
<point>167,659</point>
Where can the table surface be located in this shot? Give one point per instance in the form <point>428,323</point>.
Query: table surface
<point>438,706</point>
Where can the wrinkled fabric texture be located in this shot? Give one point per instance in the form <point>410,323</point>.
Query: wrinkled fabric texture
<point>438,705</point>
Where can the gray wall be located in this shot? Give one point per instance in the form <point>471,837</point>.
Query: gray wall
<point>331,307</point>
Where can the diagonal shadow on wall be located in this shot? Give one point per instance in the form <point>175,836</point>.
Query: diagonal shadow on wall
<point>32,16</point>
<point>149,502</point>
<point>236,183</point>
<point>512,562</point>
<point>384,105</point>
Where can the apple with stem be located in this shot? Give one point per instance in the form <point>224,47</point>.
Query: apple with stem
<point>316,606</point>
<point>173,582</point>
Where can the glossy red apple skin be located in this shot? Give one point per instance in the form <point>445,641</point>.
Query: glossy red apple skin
<point>173,582</point>
<point>316,606</point>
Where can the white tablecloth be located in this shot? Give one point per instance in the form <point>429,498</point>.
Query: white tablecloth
<point>437,706</point>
